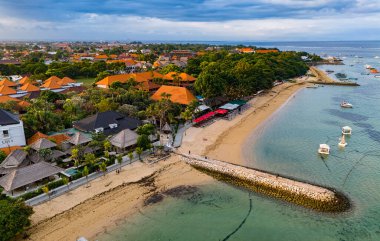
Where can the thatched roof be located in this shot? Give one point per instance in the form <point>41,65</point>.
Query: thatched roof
<point>79,138</point>
<point>14,159</point>
<point>42,144</point>
<point>27,175</point>
<point>124,138</point>
<point>167,127</point>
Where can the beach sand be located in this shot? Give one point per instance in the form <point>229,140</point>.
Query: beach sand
<point>91,211</point>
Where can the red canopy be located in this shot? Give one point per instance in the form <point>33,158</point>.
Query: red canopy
<point>221,111</point>
<point>204,117</point>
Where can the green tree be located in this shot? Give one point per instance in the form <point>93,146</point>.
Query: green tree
<point>130,156</point>
<point>170,68</point>
<point>119,159</point>
<point>139,151</point>
<point>66,182</point>
<point>103,168</point>
<point>75,155</point>
<point>46,190</point>
<point>85,172</point>
<point>89,158</point>
<point>2,156</point>
<point>14,218</point>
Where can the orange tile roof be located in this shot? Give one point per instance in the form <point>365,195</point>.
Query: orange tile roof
<point>51,84</point>
<point>59,138</point>
<point>265,51</point>
<point>5,99</point>
<point>7,82</point>
<point>25,80</point>
<point>29,87</point>
<point>38,135</point>
<point>101,56</point>
<point>148,86</point>
<point>53,78</point>
<point>179,95</point>
<point>66,80</point>
<point>139,77</point>
<point>246,50</point>
<point>130,62</point>
<point>8,150</point>
<point>23,104</point>
<point>5,90</point>
<point>182,76</point>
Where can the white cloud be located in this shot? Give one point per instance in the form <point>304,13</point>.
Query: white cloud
<point>117,27</point>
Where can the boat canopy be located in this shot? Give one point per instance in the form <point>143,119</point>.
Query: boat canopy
<point>324,146</point>
<point>238,102</point>
<point>221,111</point>
<point>346,128</point>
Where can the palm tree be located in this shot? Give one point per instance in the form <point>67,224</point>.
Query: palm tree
<point>66,182</point>
<point>103,168</point>
<point>74,156</point>
<point>130,156</point>
<point>85,172</point>
<point>89,158</point>
<point>139,151</point>
<point>45,189</point>
<point>119,159</point>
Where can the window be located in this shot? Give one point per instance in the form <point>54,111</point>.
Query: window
<point>5,133</point>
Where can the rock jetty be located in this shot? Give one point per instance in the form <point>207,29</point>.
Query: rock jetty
<point>302,193</point>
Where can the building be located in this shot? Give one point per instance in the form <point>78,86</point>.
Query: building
<point>11,130</point>
<point>108,122</point>
<point>180,95</point>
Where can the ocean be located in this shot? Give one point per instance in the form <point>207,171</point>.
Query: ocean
<point>288,144</point>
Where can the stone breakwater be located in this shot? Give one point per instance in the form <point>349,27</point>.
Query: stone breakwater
<point>305,194</point>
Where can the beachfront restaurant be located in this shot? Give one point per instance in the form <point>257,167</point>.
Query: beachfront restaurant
<point>29,178</point>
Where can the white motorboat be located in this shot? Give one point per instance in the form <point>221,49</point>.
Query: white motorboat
<point>346,130</point>
<point>377,76</point>
<point>342,142</point>
<point>324,149</point>
<point>367,66</point>
<point>345,104</point>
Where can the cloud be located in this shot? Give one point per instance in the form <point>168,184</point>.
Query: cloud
<point>239,20</point>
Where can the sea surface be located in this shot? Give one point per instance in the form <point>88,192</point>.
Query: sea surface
<point>288,144</point>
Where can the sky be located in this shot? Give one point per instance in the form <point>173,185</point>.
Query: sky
<point>190,20</point>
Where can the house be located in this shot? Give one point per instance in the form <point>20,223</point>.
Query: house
<point>180,77</point>
<point>21,179</point>
<point>28,87</point>
<point>124,139</point>
<point>11,130</point>
<point>246,50</point>
<point>5,90</point>
<point>265,51</point>
<point>145,78</point>
<point>8,83</point>
<point>16,159</point>
<point>108,122</point>
<point>180,95</point>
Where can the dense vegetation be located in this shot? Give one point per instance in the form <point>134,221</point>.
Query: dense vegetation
<point>14,217</point>
<point>237,75</point>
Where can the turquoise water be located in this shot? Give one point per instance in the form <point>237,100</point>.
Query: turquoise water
<point>288,145</point>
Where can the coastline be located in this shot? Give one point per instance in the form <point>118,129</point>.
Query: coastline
<point>92,211</point>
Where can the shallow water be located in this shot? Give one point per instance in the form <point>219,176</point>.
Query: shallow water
<point>288,145</point>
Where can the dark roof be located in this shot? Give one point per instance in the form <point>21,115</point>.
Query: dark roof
<point>7,118</point>
<point>42,143</point>
<point>27,175</point>
<point>104,119</point>
<point>14,159</point>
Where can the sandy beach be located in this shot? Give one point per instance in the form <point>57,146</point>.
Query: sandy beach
<point>106,202</point>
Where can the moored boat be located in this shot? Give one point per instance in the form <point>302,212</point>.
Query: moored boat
<point>377,76</point>
<point>345,104</point>
<point>346,130</point>
<point>324,149</point>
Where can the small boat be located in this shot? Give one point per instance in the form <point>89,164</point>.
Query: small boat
<point>346,130</point>
<point>377,76</point>
<point>324,149</point>
<point>329,71</point>
<point>352,78</point>
<point>342,142</point>
<point>367,66</point>
<point>377,57</point>
<point>341,76</point>
<point>345,104</point>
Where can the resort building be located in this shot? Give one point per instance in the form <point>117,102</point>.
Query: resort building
<point>108,122</point>
<point>180,95</point>
<point>123,140</point>
<point>11,130</point>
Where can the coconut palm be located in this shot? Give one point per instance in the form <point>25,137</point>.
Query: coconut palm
<point>130,156</point>
<point>119,159</point>
<point>139,151</point>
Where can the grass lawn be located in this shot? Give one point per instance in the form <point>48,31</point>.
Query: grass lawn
<point>86,81</point>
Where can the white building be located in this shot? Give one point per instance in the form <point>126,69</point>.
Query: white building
<point>11,130</point>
